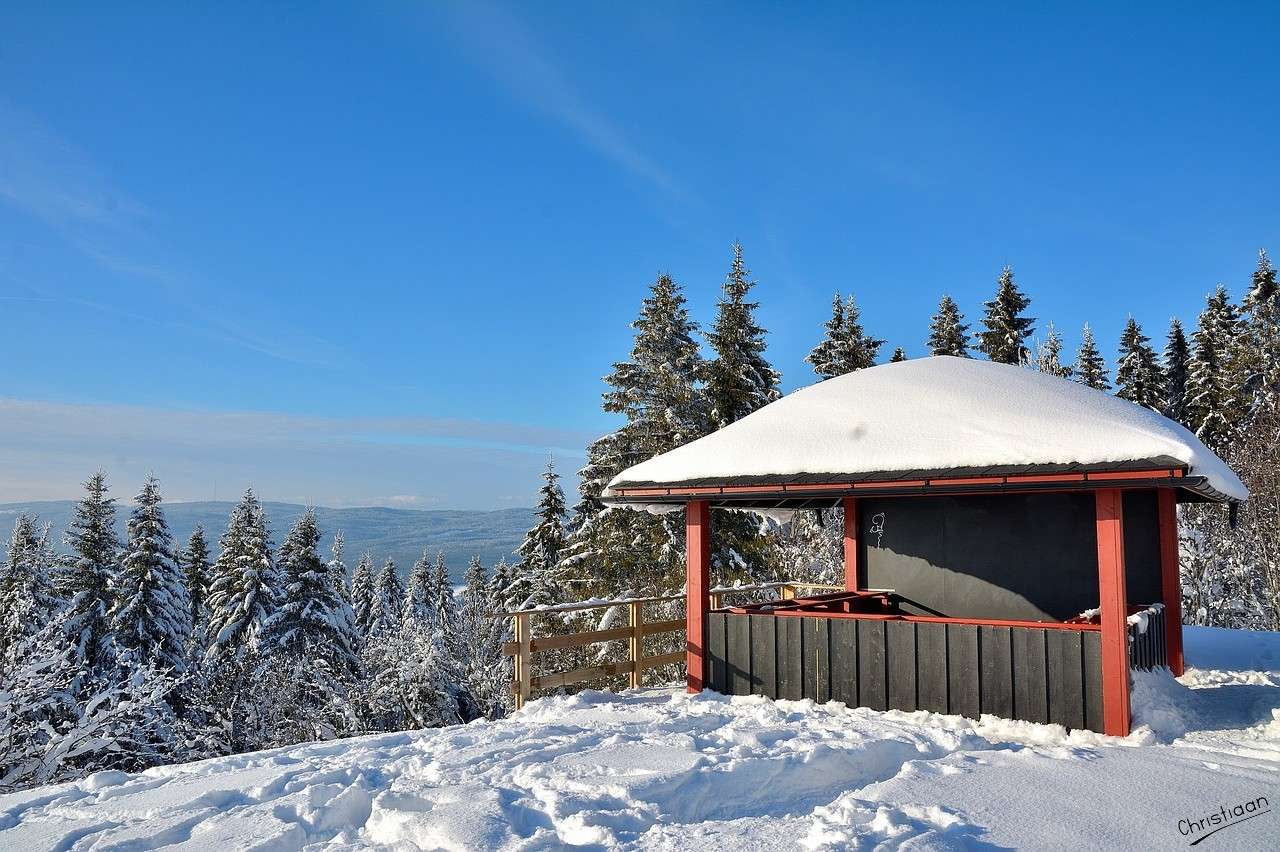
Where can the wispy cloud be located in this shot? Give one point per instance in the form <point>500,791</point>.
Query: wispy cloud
<point>47,449</point>
<point>46,176</point>
<point>496,39</point>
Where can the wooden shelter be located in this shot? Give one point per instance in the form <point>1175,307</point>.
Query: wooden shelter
<point>1010,542</point>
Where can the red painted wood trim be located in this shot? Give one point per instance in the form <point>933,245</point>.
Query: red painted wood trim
<point>851,543</point>
<point>1047,477</point>
<point>697,540</point>
<point>645,492</point>
<point>1108,475</point>
<point>1170,579</point>
<point>695,489</point>
<point>932,619</point>
<point>824,486</point>
<point>1112,602</point>
<point>903,483</point>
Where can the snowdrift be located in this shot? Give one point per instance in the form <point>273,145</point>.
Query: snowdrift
<point>657,768</point>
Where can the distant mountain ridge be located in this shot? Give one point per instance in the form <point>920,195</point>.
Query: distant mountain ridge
<point>401,534</point>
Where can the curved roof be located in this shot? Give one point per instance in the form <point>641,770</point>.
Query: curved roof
<point>933,416</point>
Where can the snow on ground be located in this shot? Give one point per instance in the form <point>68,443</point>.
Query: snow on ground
<point>656,768</point>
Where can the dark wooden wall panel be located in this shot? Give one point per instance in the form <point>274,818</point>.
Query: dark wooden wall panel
<point>1041,675</point>
<point>1030,676</point>
<point>738,641</point>
<point>817,649</point>
<point>900,660</point>
<point>844,661</point>
<point>717,657</point>
<point>1091,677</point>
<point>872,680</point>
<point>963,673</point>
<point>764,661</point>
<point>931,667</point>
<point>1066,681</point>
<point>996,680</point>
<point>790,659</point>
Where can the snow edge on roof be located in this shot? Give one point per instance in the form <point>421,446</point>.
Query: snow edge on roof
<point>939,413</point>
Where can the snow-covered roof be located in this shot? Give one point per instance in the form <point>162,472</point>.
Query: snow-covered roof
<point>935,415</point>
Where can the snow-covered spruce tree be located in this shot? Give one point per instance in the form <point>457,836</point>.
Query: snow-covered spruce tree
<point>657,391</point>
<point>338,568</point>
<point>1256,456</point>
<point>243,587</point>
<point>822,356</point>
<point>309,645</point>
<point>739,379</point>
<point>1139,378</point>
<point>1090,370</point>
<point>27,597</point>
<point>57,725</point>
<point>1212,385</point>
<point>1259,347</point>
<point>1004,327</point>
<point>845,345</point>
<point>811,547</point>
<point>362,592</point>
<point>486,672</point>
<point>543,546</point>
<point>1177,364</point>
<point>1049,355</point>
<point>388,600</point>
<point>311,619</point>
<point>151,613</point>
<point>899,355</point>
<point>419,602</point>
<point>501,585</point>
<point>88,573</point>
<point>948,332</point>
<point>196,569</point>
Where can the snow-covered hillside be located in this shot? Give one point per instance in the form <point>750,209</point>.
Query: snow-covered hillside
<point>658,768</point>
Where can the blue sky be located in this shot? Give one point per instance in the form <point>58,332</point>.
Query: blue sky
<point>383,253</point>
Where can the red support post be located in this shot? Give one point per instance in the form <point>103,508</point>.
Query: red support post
<point>1113,602</point>
<point>851,544</point>
<point>1170,579</point>
<point>697,538</point>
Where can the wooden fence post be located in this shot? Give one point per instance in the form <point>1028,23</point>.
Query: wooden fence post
<point>524,653</point>
<point>635,645</point>
<point>788,592</point>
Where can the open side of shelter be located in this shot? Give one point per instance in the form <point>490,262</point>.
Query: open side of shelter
<point>1025,590</point>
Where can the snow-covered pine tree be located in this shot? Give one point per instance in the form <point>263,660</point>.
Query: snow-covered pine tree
<point>1259,356</point>
<point>845,345</point>
<point>502,587</point>
<point>419,603</point>
<point>1211,380</point>
<point>1139,378</point>
<point>88,573</point>
<point>822,356</point>
<point>948,332</point>
<point>151,613</point>
<point>486,673</point>
<point>311,619</point>
<point>27,597</point>
<point>739,379</point>
<point>338,567</point>
<point>1005,329</point>
<point>657,391</point>
<point>388,600</point>
<point>1177,363</point>
<point>542,547</point>
<point>898,355</point>
<point>1090,370</point>
<point>1049,355</point>
<point>243,587</point>
<point>362,592</point>
<point>196,568</point>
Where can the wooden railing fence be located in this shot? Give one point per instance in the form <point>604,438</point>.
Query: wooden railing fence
<point>524,644</point>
